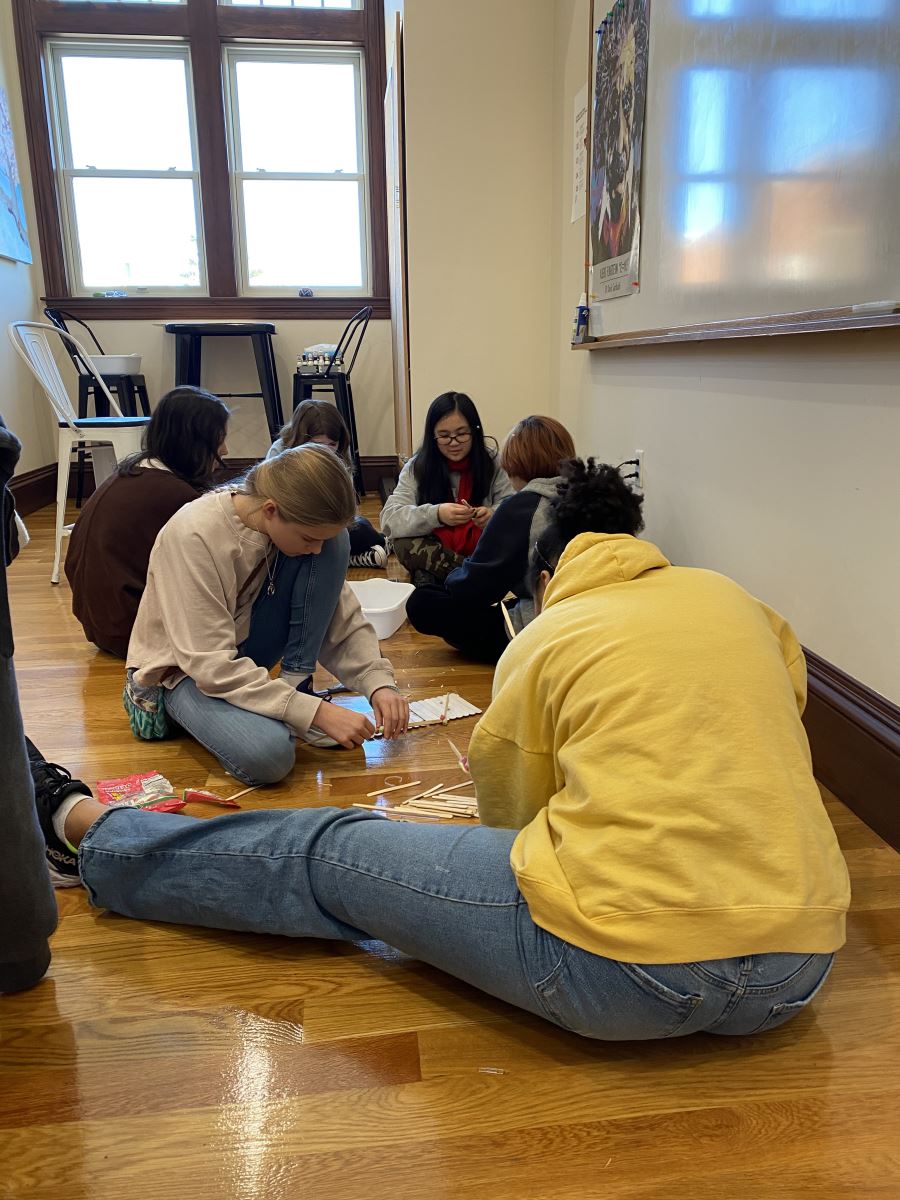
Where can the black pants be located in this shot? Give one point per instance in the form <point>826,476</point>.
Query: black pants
<point>27,906</point>
<point>476,630</point>
<point>363,536</point>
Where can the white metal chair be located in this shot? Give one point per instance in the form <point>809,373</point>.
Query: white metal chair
<point>112,438</point>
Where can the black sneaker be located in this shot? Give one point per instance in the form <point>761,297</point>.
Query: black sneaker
<point>52,784</point>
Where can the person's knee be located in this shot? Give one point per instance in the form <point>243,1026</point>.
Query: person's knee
<point>424,607</point>
<point>268,758</point>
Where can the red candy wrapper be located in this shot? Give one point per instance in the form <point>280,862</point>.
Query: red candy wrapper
<point>199,796</point>
<point>148,790</point>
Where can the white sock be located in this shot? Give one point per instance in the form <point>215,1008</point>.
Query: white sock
<point>295,678</point>
<point>59,817</point>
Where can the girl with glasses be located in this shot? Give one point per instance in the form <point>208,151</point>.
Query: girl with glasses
<point>465,611</point>
<point>446,493</point>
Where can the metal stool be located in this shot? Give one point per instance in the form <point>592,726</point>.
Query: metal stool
<point>336,378</point>
<point>188,339</point>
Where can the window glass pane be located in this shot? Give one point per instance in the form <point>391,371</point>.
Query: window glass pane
<point>139,1</point>
<point>137,232</point>
<point>303,233</point>
<point>297,116</point>
<point>295,3</point>
<point>127,113</point>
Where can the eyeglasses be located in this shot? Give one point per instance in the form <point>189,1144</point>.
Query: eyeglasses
<point>537,554</point>
<point>447,439</point>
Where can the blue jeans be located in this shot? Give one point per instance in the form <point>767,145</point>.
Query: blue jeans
<point>287,627</point>
<point>444,895</point>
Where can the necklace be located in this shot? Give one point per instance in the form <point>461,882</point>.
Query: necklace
<point>270,590</point>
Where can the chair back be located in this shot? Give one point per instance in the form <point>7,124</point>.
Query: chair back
<point>351,338</point>
<point>29,339</point>
<point>58,318</point>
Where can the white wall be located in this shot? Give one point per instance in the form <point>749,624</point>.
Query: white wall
<point>21,402</point>
<point>774,461</point>
<point>478,126</point>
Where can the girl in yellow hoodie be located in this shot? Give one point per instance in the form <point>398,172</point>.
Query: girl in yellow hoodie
<point>655,858</point>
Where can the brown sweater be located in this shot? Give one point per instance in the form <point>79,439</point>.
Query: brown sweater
<point>109,550</point>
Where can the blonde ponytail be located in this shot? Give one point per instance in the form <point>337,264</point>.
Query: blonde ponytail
<point>309,484</point>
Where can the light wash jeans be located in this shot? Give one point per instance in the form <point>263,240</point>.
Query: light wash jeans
<point>444,895</point>
<point>287,627</point>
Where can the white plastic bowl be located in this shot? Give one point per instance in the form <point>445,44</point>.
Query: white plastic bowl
<point>117,364</point>
<point>383,603</point>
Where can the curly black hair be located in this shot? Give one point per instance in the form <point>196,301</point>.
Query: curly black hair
<point>593,498</point>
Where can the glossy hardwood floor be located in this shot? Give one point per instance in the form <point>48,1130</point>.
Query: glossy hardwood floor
<point>166,1062</point>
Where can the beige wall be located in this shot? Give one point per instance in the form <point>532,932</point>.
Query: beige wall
<point>773,461</point>
<point>228,366</point>
<point>478,125</point>
<point>21,403</point>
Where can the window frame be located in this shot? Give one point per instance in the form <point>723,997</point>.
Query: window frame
<point>207,28</point>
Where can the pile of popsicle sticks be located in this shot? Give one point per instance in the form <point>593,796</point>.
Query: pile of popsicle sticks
<point>438,710</point>
<point>440,803</point>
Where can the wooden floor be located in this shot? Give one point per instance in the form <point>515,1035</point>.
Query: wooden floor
<point>168,1062</point>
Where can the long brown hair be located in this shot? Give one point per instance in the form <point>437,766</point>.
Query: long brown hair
<point>316,418</point>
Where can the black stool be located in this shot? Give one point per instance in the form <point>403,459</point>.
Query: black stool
<point>188,338</point>
<point>336,378</point>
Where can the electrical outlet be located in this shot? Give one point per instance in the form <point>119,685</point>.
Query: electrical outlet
<point>638,481</point>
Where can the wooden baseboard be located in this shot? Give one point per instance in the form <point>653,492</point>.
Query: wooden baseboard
<point>36,489</point>
<point>854,734</point>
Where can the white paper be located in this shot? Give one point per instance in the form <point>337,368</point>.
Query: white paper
<point>579,160</point>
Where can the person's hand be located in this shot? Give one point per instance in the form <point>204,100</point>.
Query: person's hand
<point>480,516</point>
<point>454,514</point>
<point>343,724</point>
<point>391,711</point>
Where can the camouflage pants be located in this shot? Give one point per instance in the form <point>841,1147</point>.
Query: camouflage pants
<point>426,559</point>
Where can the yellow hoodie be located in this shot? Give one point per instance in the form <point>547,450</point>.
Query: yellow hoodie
<point>645,736</point>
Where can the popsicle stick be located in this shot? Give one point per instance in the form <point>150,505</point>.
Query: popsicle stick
<point>398,788</point>
<point>510,628</point>
<point>446,706</point>
<point>237,795</point>
<point>397,812</point>
<point>457,786</point>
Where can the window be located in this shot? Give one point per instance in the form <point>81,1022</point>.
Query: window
<point>299,182</point>
<point>198,159</point>
<point>127,179</point>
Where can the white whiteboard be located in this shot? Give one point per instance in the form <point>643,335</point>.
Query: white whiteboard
<point>771,161</point>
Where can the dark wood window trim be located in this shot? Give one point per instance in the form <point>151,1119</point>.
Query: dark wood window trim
<point>206,25</point>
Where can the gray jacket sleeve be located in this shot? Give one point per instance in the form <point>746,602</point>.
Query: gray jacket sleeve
<point>401,516</point>
<point>500,486</point>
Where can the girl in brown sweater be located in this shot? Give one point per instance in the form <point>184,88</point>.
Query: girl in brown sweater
<point>110,545</point>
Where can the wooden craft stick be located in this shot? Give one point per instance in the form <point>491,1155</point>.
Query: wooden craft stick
<point>510,628</point>
<point>397,812</point>
<point>237,795</point>
<point>397,788</point>
<point>457,786</point>
<point>419,795</point>
<point>446,706</point>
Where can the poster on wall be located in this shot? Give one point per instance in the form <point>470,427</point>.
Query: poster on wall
<point>13,230</point>
<point>617,130</point>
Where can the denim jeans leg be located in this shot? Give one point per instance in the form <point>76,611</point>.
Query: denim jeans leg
<point>313,600</point>
<point>289,625</point>
<point>253,748</point>
<point>445,895</point>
